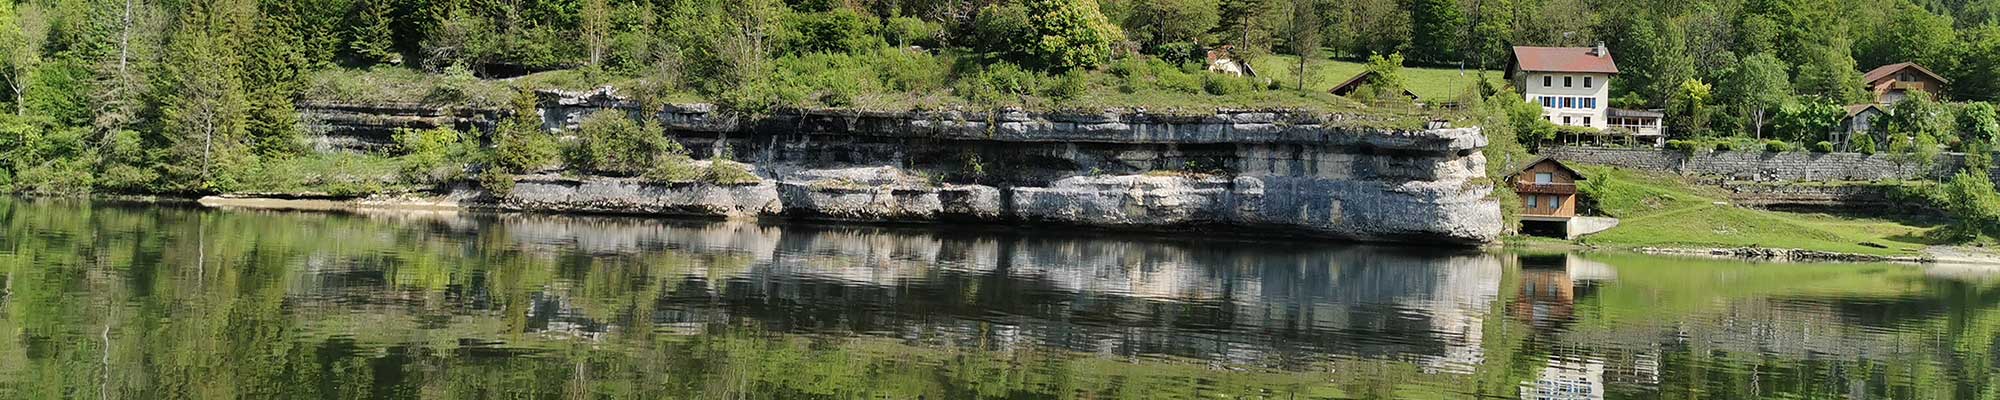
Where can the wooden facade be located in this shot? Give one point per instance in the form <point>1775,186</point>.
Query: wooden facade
<point>1547,189</point>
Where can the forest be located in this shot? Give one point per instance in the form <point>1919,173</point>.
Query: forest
<point>201,96</point>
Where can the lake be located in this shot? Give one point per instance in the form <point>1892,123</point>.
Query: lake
<point>122,301</point>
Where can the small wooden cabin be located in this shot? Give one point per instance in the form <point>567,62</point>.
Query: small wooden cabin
<point>1547,189</point>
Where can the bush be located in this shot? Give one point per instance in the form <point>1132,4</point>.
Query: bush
<point>1863,143</point>
<point>431,155</point>
<point>907,31</point>
<point>610,142</point>
<point>674,168</point>
<point>726,172</point>
<point>499,182</point>
<point>1684,146</point>
<point>912,71</point>
<point>838,31</point>
<point>1224,85</point>
<point>1725,146</point>
<point>1001,83</point>
<point>1777,146</point>
<point>1069,86</point>
<point>1822,147</point>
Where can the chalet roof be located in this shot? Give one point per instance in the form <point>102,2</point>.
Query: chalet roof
<point>1355,83</point>
<point>1559,165</point>
<point>1564,59</point>
<point>1857,109</point>
<point>1885,71</point>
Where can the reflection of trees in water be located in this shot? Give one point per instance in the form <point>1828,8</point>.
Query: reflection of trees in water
<point>292,305</point>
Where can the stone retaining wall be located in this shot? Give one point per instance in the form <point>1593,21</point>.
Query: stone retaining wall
<point>1759,166</point>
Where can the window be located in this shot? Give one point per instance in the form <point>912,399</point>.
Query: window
<point>1548,101</point>
<point>1586,120</point>
<point>1569,81</point>
<point>1544,178</point>
<point>1565,120</point>
<point>1531,202</point>
<point>1568,102</point>
<point>1552,203</point>
<point>1548,81</point>
<point>1589,103</point>
<point>1586,81</point>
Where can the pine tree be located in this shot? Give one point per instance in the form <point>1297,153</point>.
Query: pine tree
<point>370,38</point>
<point>271,75</point>
<point>200,99</point>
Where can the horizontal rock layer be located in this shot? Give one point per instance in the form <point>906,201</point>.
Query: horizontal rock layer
<point>1272,172</point>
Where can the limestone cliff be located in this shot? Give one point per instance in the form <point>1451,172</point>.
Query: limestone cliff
<point>1266,172</point>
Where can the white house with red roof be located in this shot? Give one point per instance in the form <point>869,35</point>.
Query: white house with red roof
<point>1573,84</point>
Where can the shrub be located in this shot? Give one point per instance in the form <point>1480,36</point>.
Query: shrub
<point>726,172</point>
<point>1863,143</point>
<point>1725,146</point>
<point>1777,146</point>
<point>912,71</point>
<point>610,142</point>
<point>429,155</point>
<point>1224,85</point>
<point>1069,34</point>
<point>1822,147</point>
<point>500,183</point>
<point>907,31</point>
<point>1069,86</point>
<point>1001,83</point>
<point>1683,146</point>
<point>838,31</point>
<point>1178,53</point>
<point>674,168</point>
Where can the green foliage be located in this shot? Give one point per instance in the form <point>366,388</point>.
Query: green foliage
<point>519,144</point>
<point>1777,146</point>
<point>726,172</point>
<point>1822,147</point>
<point>1001,83</point>
<point>1685,146</point>
<point>610,142</point>
<point>1759,86</point>
<point>906,31</point>
<point>1919,115</point>
<point>1169,27</point>
<point>432,155</point>
<point>837,31</point>
<point>1069,34</point>
<point>500,183</point>
<point>1978,121</point>
<point>1437,29</point>
<point>1972,204</point>
<point>1863,143</point>
<point>1725,146</point>
<point>1807,121</point>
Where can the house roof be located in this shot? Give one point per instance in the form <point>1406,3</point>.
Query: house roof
<point>1857,109</point>
<point>1564,59</point>
<point>1885,71</point>
<point>1539,161</point>
<point>1355,83</point>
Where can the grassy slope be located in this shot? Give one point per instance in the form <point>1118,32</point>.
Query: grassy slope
<point>1428,83</point>
<point>1661,210</point>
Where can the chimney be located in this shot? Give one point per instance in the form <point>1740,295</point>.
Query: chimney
<point>1600,51</point>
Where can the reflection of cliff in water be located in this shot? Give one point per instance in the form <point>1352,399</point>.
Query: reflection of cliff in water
<point>1250,302</point>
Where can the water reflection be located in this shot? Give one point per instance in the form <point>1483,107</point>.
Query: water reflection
<point>160,302</point>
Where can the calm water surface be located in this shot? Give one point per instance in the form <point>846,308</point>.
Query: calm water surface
<point>145,302</point>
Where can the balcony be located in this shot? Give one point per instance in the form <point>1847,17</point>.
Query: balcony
<point>1545,188</point>
<point>1909,85</point>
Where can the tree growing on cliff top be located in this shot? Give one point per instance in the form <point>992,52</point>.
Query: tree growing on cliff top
<point>1070,34</point>
<point>1302,35</point>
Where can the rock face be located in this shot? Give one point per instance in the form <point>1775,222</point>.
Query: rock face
<point>1267,172</point>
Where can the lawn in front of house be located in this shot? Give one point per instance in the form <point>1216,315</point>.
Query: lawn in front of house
<point>1664,210</point>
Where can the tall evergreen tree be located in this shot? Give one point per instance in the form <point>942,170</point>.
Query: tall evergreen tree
<point>200,99</point>
<point>370,39</point>
<point>1436,29</point>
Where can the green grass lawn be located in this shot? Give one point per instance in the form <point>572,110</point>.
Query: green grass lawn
<point>1427,83</point>
<point>1662,210</point>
